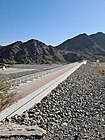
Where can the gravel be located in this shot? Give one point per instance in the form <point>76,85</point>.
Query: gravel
<point>74,110</point>
<point>19,74</point>
<point>27,70</point>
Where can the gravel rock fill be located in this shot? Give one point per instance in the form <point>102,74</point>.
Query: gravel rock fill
<point>74,110</point>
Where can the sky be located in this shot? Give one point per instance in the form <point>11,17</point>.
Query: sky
<point>50,21</point>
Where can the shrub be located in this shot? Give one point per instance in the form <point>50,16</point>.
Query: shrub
<point>6,97</point>
<point>49,62</point>
<point>7,61</point>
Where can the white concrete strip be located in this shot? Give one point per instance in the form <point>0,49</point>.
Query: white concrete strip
<point>36,96</point>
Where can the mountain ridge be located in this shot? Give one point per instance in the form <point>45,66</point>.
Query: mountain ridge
<point>82,46</point>
<point>31,51</point>
<point>85,46</point>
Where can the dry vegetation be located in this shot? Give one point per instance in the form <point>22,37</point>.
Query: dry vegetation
<point>6,96</point>
<point>100,68</point>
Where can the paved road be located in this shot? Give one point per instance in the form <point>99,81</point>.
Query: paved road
<point>38,94</point>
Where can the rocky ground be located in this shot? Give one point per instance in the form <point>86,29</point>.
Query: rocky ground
<point>74,110</point>
<point>35,69</point>
<point>18,74</point>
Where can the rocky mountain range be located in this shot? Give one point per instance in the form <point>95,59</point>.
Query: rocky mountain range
<point>32,51</point>
<point>83,46</point>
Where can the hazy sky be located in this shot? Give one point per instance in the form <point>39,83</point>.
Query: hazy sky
<point>50,21</point>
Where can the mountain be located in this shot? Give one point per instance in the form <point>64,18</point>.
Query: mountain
<point>99,38</point>
<point>83,46</point>
<point>89,47</point>
<point>32,51</point>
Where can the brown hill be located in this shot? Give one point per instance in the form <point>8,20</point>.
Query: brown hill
<point>85,47</point>
<point>32,51</point>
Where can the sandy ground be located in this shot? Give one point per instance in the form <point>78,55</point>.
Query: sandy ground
<point>13,70</point>
<point>17,68</point>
